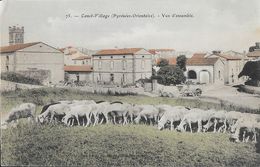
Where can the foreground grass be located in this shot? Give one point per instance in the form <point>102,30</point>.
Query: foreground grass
<point>111,145</point>
<point>47,95</point>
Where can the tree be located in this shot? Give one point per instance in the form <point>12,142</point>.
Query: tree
<point>181,62</point>
<point>171,75</point>
<point>163,62</point>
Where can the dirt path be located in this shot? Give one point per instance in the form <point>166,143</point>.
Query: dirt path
<point>230,94</point>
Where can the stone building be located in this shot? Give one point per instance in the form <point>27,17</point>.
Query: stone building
<point>122,66</point>
<point>16,35</point>
<point>77,65</point>
<point>214,68</point>
<point>33,57</point>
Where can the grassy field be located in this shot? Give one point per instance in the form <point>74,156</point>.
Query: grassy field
<point>111,145</point>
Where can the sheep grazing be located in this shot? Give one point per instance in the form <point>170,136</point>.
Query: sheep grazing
<point>172,115</point>
<point>149,112</point>
<point>57,110</point>
<point>25,110</point>
<point>118,111</point>
<point>245,125</point>
<point>83,110</point>
<point>194,115</point>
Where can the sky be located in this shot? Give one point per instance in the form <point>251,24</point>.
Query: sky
<point>215,25</point>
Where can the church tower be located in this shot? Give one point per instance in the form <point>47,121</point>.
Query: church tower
<point>16,35</point>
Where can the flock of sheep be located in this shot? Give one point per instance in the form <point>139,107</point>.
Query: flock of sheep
<point>242,126</point>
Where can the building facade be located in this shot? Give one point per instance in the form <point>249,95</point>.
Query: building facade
<point>122,66</point>
<point>32,57</point>
<point>77,65</point>
<point>214,68</point>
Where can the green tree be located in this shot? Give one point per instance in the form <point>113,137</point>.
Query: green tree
<point>171,75</point>
<point>181,62</point>
<point>163,62</point>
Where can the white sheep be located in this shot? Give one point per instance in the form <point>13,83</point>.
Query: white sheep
<point>81,110</point>
<point>25,110</point>
<point>148,112</point>
<point>52,111</point>
<point>245,124</point>
<point>172,115</point>
<point>194,115</point>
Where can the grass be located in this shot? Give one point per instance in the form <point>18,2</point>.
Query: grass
<point>111,145</point>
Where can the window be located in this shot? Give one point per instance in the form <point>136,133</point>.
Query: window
<point>111,65</point>
<point>7,68</point>
<point>7,58</point>
<point>99,77</point>
<point>124,78</point>
<point>83,62</point>
<point>75,62</point>
<point>143,64</point>
<point>111,57</point>
<point>124,64</point>
<point>123,56</point>
<point>99,64</point>
<point>111,77</point>
<point>219,75</point>
<point>192,74</point>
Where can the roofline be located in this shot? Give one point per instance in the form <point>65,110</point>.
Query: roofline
<point>29,46</point>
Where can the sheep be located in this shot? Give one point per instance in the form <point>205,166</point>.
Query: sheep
<point>172,114</point>
<point>194,115</point>
<point>100,110</point>
<point>77,111</point>
<point>148,112</point>
<point>247,123</point>
<point>216,118</point>
<point>117,110</point>
<point>232,117</point>
<point>25,110</point>
<point>245,126</point>
<point>52,111</point>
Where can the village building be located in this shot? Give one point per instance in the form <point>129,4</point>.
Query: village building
<point>214,68</point>
<point>77,65</point>
<point>122,66</point>
<point>33,58</point>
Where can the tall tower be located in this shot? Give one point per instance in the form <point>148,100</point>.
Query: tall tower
<point>16,35</point>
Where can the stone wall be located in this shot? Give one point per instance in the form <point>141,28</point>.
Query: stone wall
<point>10,86</point>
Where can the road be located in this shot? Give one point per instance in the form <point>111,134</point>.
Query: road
<point>231,94</point>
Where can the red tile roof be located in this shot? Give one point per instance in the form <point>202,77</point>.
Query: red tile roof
<point>16,47</point>
<point>201,61</point>
<point>126,51</point>
<point>198,59</point>
<point>82,58</point>
<point>172,60</point>
<point>83,68</point>
<point>199,55</point>
<point>255,53</point>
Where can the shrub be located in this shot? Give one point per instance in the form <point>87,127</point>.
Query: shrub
<point>171,75</point>
<point>15,77</point>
